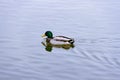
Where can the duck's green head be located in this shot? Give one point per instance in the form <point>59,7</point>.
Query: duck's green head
<point>48,34</point>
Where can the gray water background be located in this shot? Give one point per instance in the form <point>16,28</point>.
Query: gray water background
<point>94,24</point>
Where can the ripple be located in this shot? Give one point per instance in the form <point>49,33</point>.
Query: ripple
<point>97,55</point>
<point>5,40</point>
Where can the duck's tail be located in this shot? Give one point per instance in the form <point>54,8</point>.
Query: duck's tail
<point>71,41</point>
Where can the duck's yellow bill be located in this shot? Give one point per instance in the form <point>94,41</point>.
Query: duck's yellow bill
<point>43,35</point>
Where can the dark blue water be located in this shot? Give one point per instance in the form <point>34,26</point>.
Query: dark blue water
<point>93,24</point>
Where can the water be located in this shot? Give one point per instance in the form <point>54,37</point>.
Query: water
<point>93,24</point>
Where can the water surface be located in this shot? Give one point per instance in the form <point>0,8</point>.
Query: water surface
<point>93,24</point>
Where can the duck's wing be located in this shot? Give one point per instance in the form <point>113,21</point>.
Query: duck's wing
<point>58,40</point>
<point>62,38</point>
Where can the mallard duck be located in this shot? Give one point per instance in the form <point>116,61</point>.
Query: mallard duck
<point>57,40</point>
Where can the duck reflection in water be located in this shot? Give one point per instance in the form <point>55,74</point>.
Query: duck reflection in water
<point>57,41</point>
<point>49,47</point>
